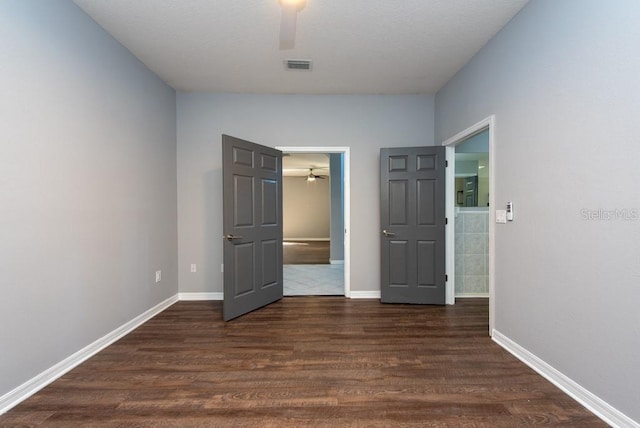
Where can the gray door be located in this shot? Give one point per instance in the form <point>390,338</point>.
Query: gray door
<point>412,184</point>
<point>252,226</point>
<point>471,191</point>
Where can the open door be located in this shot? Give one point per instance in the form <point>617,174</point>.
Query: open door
<point>252,225</point>
<point>412,198</point>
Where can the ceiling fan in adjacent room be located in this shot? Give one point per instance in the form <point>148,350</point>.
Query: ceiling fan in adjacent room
<point>312,176</point>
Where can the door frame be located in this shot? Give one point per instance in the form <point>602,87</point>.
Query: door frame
<point>346,205</point>
<point>450,143</point>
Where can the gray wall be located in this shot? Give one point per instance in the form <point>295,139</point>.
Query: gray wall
<point>87,186</point>
<point>337,207</point>
<point>364,123</point>
<point>305,208</point>
<point>562,80</point>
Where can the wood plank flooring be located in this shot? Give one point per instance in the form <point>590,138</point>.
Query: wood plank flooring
<point>305,252</point>
<point>320,362</point>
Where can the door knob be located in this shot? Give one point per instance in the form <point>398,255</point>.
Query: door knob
<point>387,233</point>
<point>230,237</point>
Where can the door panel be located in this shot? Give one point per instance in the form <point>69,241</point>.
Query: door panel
<point>244,201</point>
<point>270,202</point>
<point>412,196</point>
<point>398,268</point>
<point>425,200</point>
<point>397,163</point>
<point>268,162</point>
<point>242,156</point>
<point>398,208</point>
<point>426,162</point>
<point>270,266</point>
<point>243,281</point>
<point>427,259</point>
<point>252,225</point>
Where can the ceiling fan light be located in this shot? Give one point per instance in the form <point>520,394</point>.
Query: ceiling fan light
<point>295,4</point>
<point>311,178</point>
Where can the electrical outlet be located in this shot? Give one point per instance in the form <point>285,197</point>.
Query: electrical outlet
<point>194,267</point>
<point>158,275</point>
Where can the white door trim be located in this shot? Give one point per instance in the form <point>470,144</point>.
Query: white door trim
<point>347,202</point>
<point>450,143</point>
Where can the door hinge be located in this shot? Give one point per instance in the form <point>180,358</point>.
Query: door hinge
<point>446,220</point>
<point>446,278</point>
<point>446,163</point>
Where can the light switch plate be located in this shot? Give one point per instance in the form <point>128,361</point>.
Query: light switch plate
<point>501,216</point>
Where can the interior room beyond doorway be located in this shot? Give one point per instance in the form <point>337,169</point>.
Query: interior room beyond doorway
<point>313,245</point>
<point>472,216</point>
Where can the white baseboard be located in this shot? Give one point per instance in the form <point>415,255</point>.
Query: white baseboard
<point>596,405</point>
<point>364,294</point>
<point>30,387</point>
<point>216,295</point>
<point>336,262</point>
<point>471,295</point>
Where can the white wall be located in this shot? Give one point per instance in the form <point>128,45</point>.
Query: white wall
<point>305,208</point>
<point>364,123</point>
<point>87,186</point>
<point>562,80</point>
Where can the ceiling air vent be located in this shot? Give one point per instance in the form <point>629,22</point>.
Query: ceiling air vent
<point>297,64</point>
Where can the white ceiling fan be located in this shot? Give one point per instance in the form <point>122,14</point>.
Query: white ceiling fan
<point>312,177</point>
<point>290,9</point>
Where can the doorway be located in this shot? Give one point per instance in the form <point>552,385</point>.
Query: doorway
<point>316,220</point>
<point>471,168</point>
<point>486,195</point>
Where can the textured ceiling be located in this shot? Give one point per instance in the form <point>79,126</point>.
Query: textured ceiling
<point>298,164</point>
<point>357,46</point>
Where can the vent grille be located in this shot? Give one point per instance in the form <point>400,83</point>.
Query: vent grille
<point>298,64</point>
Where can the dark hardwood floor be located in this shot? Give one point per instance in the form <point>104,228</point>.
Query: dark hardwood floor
<point>326,362</point>
<point>305,252</point>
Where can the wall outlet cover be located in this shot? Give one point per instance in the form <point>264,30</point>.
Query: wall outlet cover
<point>501,216</point>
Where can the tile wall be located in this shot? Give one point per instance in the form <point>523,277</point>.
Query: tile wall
<point>472,251</point>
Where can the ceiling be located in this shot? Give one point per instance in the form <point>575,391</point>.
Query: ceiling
<point>357,46</point>
<point>298,164</point>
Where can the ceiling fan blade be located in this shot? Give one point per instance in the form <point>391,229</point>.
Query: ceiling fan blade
<point>288,26</point>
